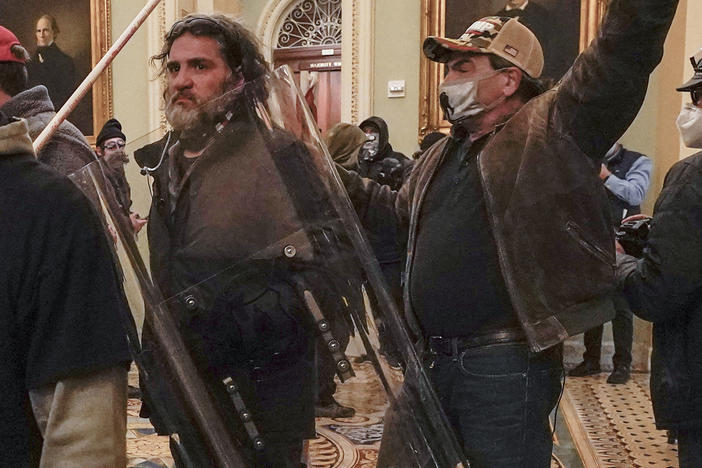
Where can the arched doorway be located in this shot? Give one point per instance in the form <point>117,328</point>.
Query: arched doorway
<point>309,41</point>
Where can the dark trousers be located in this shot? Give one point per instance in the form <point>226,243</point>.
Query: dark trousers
<point>498,399</point>
<point>690,448</point>
<point>622,331</point>
<point>393,276</point>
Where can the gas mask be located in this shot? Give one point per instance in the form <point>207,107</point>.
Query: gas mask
<point>459,98</point>
<point>690,125</point>
<point>370,148</point>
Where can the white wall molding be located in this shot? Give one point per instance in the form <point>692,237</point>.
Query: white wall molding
<point>269,23</point>
<point>357,60</point>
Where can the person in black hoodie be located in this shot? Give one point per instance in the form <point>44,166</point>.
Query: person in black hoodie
<point>377,160</point>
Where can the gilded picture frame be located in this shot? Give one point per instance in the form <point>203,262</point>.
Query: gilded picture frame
<point>434,16</point>
<point>85,36</point>
<point>101,40</point>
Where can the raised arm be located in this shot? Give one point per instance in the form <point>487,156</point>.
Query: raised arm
<point>603,91</point>
<point>378,207</point>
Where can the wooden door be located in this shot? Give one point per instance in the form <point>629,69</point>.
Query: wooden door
<point>321,66</point>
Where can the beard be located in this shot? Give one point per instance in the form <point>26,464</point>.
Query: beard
<point>203,113</point>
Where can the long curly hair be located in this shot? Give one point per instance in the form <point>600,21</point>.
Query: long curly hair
<point>237,45</point>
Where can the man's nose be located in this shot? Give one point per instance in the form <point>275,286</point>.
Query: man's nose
<point>182,80</point>
<point>451,75</point>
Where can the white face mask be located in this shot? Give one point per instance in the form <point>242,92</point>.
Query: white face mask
<point>459,98</point>
<point>690,125</point>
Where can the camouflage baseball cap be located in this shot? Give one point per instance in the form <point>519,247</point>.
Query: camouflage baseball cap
<point>696,80</point>
<point>498,35</point>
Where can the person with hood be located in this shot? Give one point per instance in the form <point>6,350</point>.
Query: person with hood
<point>377,160</point>
<point>109,147</point>
<point>510,247</point>
<point>344,141</point>
<point>63,353</point>
<point>67,150</point>
<point>665,286</point>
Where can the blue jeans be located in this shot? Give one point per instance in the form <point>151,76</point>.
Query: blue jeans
<point>499,398</point>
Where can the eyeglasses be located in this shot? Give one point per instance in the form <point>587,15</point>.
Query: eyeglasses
<point>696,95</point>
<point>113,145</point>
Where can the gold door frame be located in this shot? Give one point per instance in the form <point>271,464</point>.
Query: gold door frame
<point>432,24</point>
<point>101,40</point>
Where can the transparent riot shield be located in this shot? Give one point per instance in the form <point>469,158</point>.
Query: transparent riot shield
<point>145,309</point>
<point>263,303</point>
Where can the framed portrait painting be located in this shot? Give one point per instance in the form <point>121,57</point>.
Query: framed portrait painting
<point>563,27</point>
<point>66,39</point>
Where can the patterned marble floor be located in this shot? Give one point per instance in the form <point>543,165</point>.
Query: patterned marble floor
<point>340,443</point>
<point>597,425</point>
<point>613,426</point>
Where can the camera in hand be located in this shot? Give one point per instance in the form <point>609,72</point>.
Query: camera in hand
<point>632,236</point>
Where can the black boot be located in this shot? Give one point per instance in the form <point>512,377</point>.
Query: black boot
<point>585,368</point>
<point>620,375</point>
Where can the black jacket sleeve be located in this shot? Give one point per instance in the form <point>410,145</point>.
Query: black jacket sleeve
<point>603,91</point>
<point>669,276</point>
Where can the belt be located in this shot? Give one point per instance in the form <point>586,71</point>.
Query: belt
<point>452,346</point>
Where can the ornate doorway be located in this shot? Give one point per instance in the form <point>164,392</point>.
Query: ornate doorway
<point>309,41</point>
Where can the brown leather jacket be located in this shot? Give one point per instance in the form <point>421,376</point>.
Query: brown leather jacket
<point>539,175</point>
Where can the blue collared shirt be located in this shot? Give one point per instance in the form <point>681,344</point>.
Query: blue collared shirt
<point>632,189</point>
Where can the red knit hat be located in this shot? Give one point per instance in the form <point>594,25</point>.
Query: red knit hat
<point>7,40</point>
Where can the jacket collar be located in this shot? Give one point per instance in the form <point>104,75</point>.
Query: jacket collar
<point>14,139</point>
<point>29,102</point>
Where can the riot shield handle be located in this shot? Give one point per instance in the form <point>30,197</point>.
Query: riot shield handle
<point>245,415</point>
<point>343,366</point>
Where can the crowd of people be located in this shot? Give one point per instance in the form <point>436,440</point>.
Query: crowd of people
<point>496,241</point>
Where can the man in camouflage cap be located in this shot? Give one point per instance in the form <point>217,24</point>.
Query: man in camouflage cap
<point>510,249</point>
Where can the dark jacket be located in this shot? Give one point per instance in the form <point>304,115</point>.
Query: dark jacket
<point>540,180</point>
<point>235,209</point>
<point>390,168</point>
<point>67,150</point>
<point>387,167</point>
<point>240,225</point>
<point>61,313</point>
<point>53,68</point>
<point>665,287</point>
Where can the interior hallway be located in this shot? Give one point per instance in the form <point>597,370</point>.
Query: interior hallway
<point>598,425</point>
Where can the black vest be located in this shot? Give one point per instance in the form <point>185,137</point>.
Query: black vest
<point>619,165</point>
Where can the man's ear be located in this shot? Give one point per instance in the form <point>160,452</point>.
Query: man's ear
<point>514,79</point>
<point>237,76</point>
